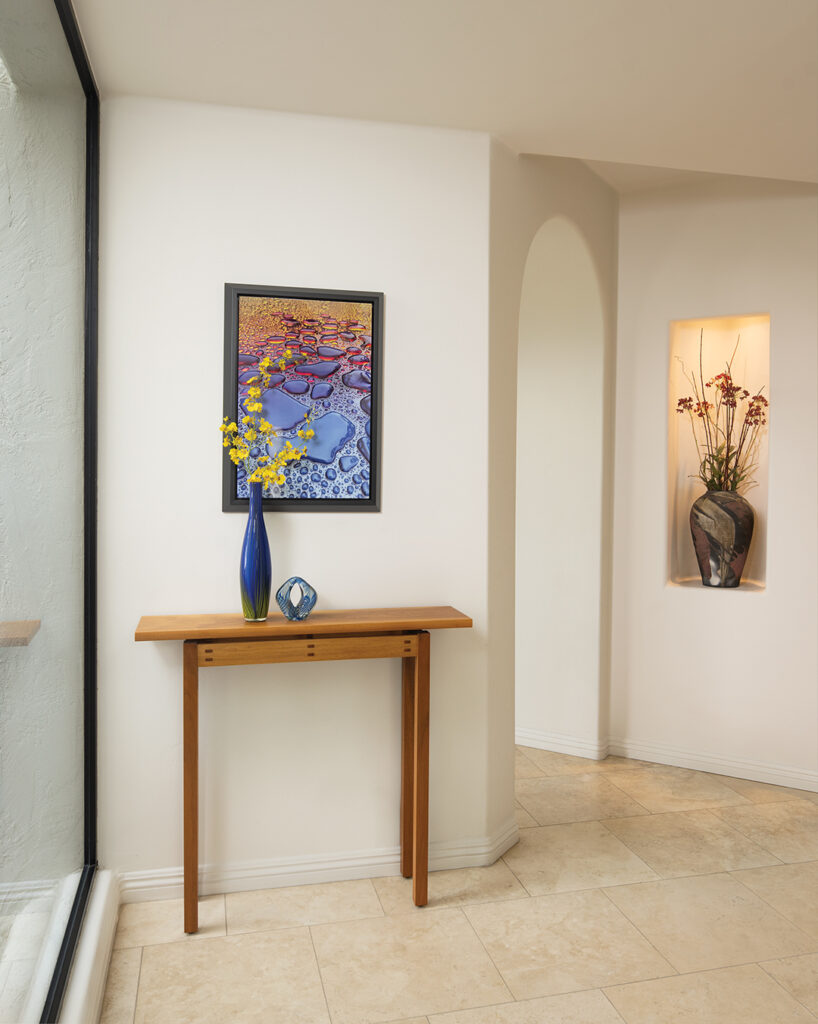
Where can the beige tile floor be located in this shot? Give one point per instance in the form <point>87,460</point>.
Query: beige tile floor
<point>638,893</point>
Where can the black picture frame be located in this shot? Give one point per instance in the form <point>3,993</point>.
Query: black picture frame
<point>366,493</point>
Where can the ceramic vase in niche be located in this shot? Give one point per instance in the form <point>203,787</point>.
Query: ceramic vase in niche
<point>255,571</point>
<point>722,526</point>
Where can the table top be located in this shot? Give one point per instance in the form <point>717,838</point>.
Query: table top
<point>359,621</point>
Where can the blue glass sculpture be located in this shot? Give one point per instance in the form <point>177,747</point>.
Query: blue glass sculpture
<point>255,570</point>
<point>308,598</point>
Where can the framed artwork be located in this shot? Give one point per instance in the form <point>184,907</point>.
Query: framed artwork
<point>326,350</point>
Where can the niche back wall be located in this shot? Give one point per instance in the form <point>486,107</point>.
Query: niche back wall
<point>299,764</point>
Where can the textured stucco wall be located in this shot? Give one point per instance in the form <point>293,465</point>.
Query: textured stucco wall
<point>42,163</point>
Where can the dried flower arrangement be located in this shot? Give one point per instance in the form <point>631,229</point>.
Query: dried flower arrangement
<point>726,431</point>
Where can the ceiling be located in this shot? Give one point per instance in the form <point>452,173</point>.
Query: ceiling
<point>719,86</point>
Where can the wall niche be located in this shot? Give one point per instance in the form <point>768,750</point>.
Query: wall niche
<point>750,369</point>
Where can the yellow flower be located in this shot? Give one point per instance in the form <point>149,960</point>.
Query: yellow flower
<point>264,426</point>
<point>246,419</point>
<point>251,435</point>
<point>254,392</point>
<point>310,433</point>
<point>255,477</point>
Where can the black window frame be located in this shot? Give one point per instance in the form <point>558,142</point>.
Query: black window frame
<point>65,957</point>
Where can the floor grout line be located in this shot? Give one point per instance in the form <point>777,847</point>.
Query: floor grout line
<point>500,974</point>
<point>138,984</point>
<point>320,975</point>
<point>780,985</point>
<point>638,929</point>
<point>615,1010</point>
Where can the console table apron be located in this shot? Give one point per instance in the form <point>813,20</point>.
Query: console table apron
<point>218,640</point>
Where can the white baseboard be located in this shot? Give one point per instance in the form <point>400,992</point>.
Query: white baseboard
<point>595,749</point>
<point>756,771</point>
<point>17,895</point>
<point>166,883</point>
<point>86,985</point>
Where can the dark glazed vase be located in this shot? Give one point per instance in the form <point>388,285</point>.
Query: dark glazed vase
<point>255,571</point>
<point>722,526</point>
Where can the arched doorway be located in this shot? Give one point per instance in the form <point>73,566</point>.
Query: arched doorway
<point>560,379</point>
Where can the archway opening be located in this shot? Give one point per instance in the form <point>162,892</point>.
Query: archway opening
<point>559,500</point>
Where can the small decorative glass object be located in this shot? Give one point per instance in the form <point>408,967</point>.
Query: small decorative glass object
<point>303,604</point>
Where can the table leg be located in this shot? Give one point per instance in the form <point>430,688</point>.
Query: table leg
<point>190,724</point>
<point>420,838</point>
<point>407,766</point>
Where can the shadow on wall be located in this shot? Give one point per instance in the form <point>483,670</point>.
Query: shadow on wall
<point>560,379</point>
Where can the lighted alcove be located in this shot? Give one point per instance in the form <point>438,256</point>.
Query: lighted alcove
<point>559,494</point>
<point>746,340</point>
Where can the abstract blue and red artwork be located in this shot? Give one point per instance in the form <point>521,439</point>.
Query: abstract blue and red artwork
<point>324,350</point>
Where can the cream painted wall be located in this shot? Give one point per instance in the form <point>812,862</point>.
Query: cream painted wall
<point>300,767</point>
<point>562,635</point>
<point>722,680</point>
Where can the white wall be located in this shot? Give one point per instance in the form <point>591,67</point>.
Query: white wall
<point>723,680</point>
<point>568,321</point>
<point>299,762</point>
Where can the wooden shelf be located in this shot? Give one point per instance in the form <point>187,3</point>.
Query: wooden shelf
<point>18,634</point>
<point>358,621</point>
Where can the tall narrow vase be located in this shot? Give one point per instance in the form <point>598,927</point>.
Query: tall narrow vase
<point>255,571</point>
<point>722,526</point>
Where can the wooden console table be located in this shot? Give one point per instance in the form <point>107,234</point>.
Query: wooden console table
<point>217,640</point>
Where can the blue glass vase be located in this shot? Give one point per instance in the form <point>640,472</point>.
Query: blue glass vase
<point>255,571</point>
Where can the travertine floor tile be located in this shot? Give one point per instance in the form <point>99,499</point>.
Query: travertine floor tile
<point>791,888</point>
<point>524,819</point>
<point>709,921</point>
<point>663,788</point>
<point>788,830</point>
<point>301,905</point>
<point>689,843</point>
<point>562,858</point>
<point>551,763</point>
<point>735,995</point>
<point>799,976</point>
<point>576,1008</point>
<point>557,800</point>
<point>451,888</point>
<point>523,767</point>
<point>146,924</point>
<point>119,1002</point>
<point>406,965</point>
<point>552,944</point>
<point>261,978</point>
<point>763,792</point>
